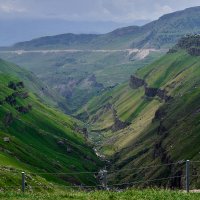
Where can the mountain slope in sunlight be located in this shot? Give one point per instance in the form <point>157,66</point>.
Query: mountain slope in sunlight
<point>156,115</point>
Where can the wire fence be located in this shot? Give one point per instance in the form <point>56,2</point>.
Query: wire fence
<point>187,177</point>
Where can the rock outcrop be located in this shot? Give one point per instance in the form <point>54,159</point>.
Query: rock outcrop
<point>136,82</point>
<point>163,95</point>
<point>11,100</point>
<point>19,92</point>
<point>161,129</point>
<point>159,114</point>
<point>191,43</point>
<point>152,92</point>
<point>83,130</point>
<point>24,109</point>
<point>118,124</point>
<point>194,51</point>
<point>6,139</point>
<point>15,86</point>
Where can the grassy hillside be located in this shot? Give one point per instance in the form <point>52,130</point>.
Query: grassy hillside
<point>78,76</point>
<point>39,140</point>
<point>161,116</point>
<point>106,195</point>
<point>34,84</point>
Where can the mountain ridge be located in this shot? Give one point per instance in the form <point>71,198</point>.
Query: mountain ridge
<point>161,33</point>
<point>59,69</point>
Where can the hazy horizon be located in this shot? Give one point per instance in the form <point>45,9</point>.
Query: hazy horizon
<point>24,20</point>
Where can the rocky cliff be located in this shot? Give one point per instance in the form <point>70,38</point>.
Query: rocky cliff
<point>136,82</point>
<point>191,43</point>
<point>118,124</point>
<point>152,92</point>
<point>194,51</point>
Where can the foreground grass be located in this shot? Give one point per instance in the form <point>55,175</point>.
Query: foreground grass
<point>104,195</point>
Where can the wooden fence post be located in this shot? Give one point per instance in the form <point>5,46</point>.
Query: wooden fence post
<point>187,175</point>
<point>23,181</point>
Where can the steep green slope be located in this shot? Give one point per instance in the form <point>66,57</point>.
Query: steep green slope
<point>161,33</point>
<point>40,140</point>
<point>78,76</point>
<point>157,118</point>
<point>34,84</point>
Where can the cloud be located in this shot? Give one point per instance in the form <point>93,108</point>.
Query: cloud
<point>10,7</point>
<point>92,10</point>
<point>162,10</point>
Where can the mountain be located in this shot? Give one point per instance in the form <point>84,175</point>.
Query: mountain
<point>15,30</point>
<point>161,33</point>
<point>152,120</point>
<point>95,62</point>
<point>39,139</point>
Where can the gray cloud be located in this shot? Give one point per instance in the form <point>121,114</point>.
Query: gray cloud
<point>92,10</point>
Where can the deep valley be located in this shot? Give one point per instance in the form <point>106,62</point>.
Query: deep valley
<point>103,111</point>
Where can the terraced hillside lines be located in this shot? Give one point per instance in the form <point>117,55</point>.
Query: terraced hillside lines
<point>180,66</point>
<point>37,138</point>
<point>173,133</point>
<point>131,106</point>
<point>163,110</point>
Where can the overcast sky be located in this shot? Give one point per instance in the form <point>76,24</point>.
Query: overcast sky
<point>25,19</point>
<point>92,10</point>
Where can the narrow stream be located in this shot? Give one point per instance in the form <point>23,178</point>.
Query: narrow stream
<point>102,175</point>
